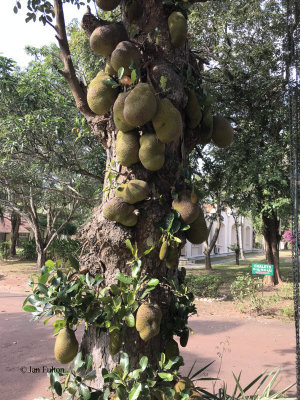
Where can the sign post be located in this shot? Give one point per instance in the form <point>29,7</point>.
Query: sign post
<point>263,269</point>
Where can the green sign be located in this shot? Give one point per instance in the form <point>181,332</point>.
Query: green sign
<point>263,269</point>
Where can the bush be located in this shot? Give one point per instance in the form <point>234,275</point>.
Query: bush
<point>204,285</point>
<point>245,288</point>
<point>64,249</point>
<point>4,250</point>
<point>28,250</point>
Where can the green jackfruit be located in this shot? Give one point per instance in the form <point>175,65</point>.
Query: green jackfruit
<point>133,191</point>
<point>222,134</point>
<point>127,148</point>
<point>172,349</point>
<point>117,210</point>
<point>187,207</point>
<point>178,28</point>
<point>105,38</point>
<point>193,110</point>
<point>172,257</point>
<point>148,319</point>
<point>66,346</point>
<point>140,105</point>
<point>184,337</point>
<point>163,250</point>
<point>100,95</point>
<point>108,68</point>
<point>115,342</point>
<point>167,122</point>
<point>152,152</point>
<point>107,5</point>
<point>198,232</point>
<point>206,127</point>
<point>118,109</point>
<point>124,55</point>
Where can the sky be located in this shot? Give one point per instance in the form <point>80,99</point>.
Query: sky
<point>16,34</point>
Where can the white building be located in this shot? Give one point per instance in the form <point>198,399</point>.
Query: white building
<point>226,238</point>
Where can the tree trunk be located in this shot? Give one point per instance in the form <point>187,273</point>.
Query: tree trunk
<point>242,255</point>
<point>272,238</point>
<point>207,258</point>
<point>237,251</point>
<point>41,259</point>
<point>15,224</point>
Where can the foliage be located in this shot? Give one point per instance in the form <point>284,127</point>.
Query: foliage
<point>204,285</point>
<point>4,249</point>
<point>171,224</point>
<point>64,249</point>
<point>289,237</point>
<point>245,287</point>
<point>28,249</point>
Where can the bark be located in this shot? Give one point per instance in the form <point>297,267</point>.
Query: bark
<point>15,220</point>
<point>208,247</point>
<point>242,255</point>
<point>42,258</point>
<point>103,240</point>
<point>272,239</point>
<point>237,251</point>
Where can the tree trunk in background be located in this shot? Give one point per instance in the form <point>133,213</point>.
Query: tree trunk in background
<point>272,238</point>
<point>207,258</point>
<point>242,255</point>
<point>15,220</point>
<point>209,247</point>
<point>237,251</point>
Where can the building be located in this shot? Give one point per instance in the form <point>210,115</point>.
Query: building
<point>25,231</point>
<point>226,238</point>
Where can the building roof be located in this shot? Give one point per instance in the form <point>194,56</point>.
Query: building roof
<point>5,225</point>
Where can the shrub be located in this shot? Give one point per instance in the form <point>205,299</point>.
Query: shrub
<point>28,250</point>
<point>64,249</point>
<point>4,250</point>
<point>245,288</point>
<point>204,285</point>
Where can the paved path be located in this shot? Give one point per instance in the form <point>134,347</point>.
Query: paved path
<point>245,344</point>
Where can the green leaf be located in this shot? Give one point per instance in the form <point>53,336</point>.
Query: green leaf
<point>144,362</point>
<point>58,388</point>
<point>135,391</point>
<point>133,76</point>
<point>153,282</point>
<point>124,278</point>
<point>88,361</point>
<point>130,298</point>
<point>29,308</point>
<point>43,289</point>
<point>43,278</point>
<point>124,362</point>
<point>165,376</point>
<point>49,264</point>
<point>130,320</point>
<point>84,391</point>
<point>120,72</point>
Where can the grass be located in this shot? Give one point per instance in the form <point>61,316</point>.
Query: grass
<point>18,267</point>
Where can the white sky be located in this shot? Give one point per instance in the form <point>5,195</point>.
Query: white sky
<point>15,34</point>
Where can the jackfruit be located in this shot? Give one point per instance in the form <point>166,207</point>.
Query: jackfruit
<point>167,122</point>
<point>152,152</point>
<point>163,250</point>
<point>107,5</point>
<point>172,257</point>
<point>178,28</point>
<point>133,191</point>
<point>198,232</point>
<point>117,210</point>
<point>193,110</point>
<point>188,209</point>
<point>206,127</point>
<point>127,148</point>
<point>119,120</point>
<point>222,134</point>
<point>184,337</point>
<point>66,346</point>
<point>148,319</point>
<point>140,105</point>
<point>172,349</point>
<point>124,55</point>
<point>115,342</point>
<point>108,68</point>
<point>105,38</point>
<point>100,95</point>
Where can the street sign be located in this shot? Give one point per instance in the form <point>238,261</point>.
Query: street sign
<point>263,269</point>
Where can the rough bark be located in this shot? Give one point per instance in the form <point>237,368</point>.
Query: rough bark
<point>272,238</point>
<point>237,251</point>
<point>209,246</point>
<point>242,255</point>
<point>15,220</point>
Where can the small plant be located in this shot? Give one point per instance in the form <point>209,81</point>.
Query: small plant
<point>28,250</point>
<point>288,312</point>
<point>245,288</point>
<point>4,250</point>
<point>204,285</point>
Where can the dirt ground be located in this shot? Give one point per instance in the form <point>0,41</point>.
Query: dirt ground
<point>237,342</point>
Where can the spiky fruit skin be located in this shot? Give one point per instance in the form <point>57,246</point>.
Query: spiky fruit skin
<point>100,95</point>
<point>167,122</point>
<point>193,110</point>
<point>172,257</point>
<point>115,342</point>
<point>163,250</point>
<point>127,148</point>
<point>152,152</point>
<point>134,191</point>
<point>184,337</point>
<point>140,105</point>
<point>148,319</point>
<point>188,210</point>
<point>198,232</point>
<point>105,38</point>
<point>66,346</point>
<point>108,68</point>
<point>123,55</point>
<point>117,210</point>
<point>222,133</point>
<point>172,349</point>
<point>118,109</point>
<point>177,28</point>
<point>107,5</point>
